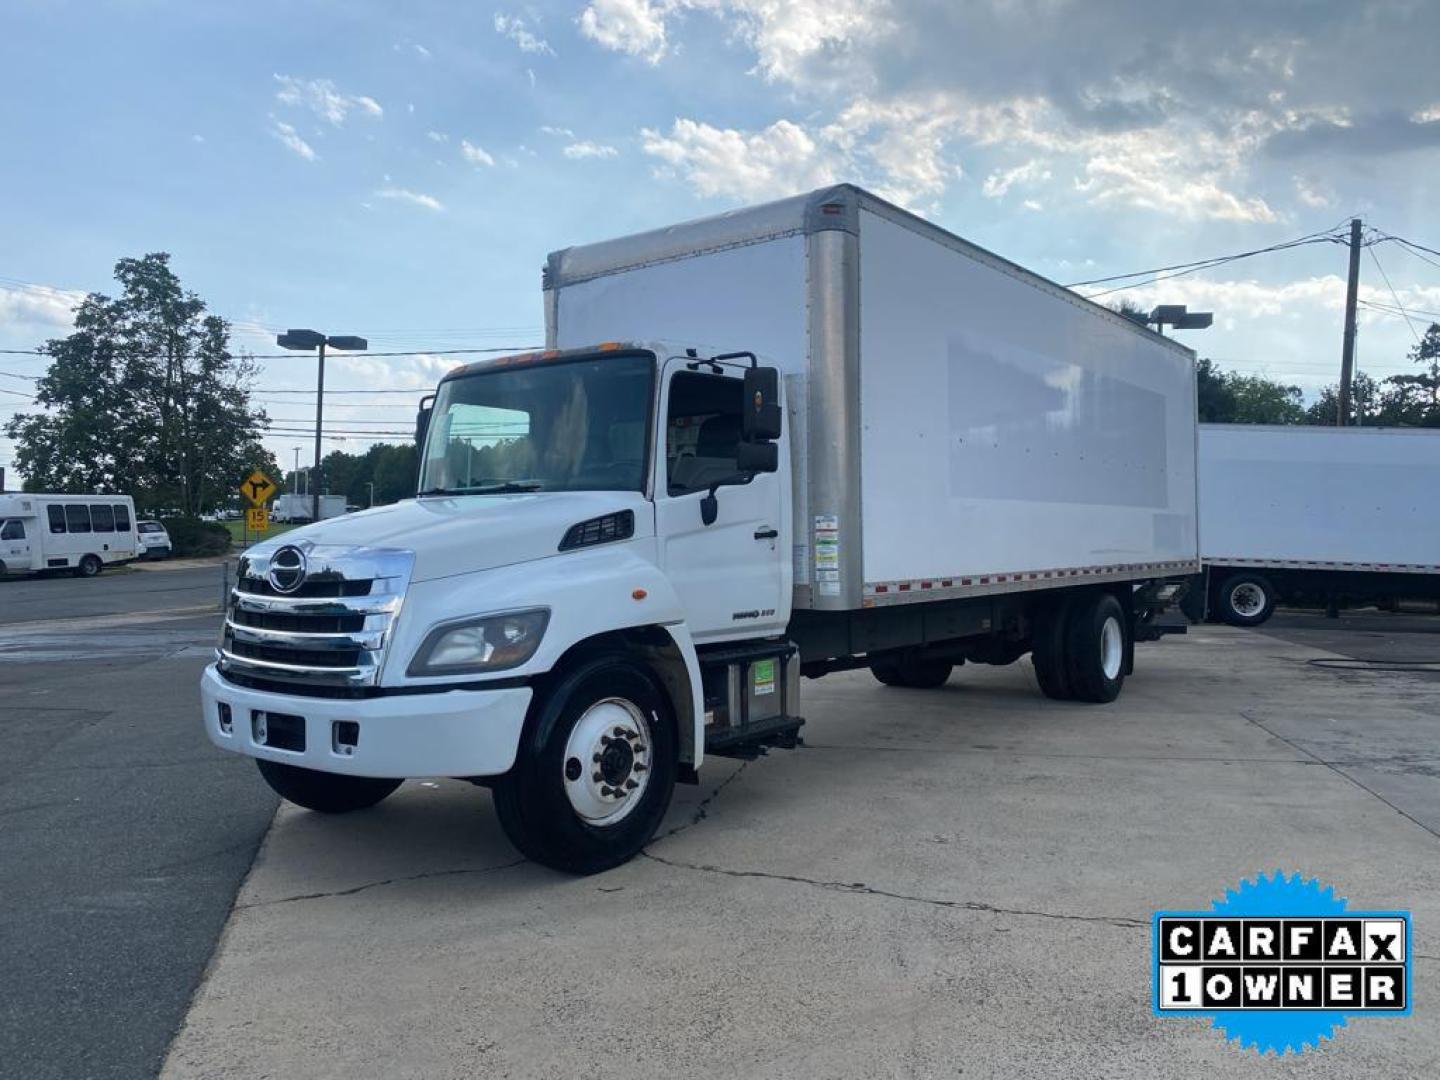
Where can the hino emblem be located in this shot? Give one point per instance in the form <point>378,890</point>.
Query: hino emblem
<point>287,569</point>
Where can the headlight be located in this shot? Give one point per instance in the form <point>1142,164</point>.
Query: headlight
<point>489,643</point>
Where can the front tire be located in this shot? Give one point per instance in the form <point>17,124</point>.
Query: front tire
<point>1245,599</point>
<point>89,566</point>
<point>327,793</point>
<point>595,770</point>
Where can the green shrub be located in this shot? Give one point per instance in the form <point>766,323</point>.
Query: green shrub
<point>191,536</point>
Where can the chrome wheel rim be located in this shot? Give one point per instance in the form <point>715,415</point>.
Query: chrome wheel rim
<point>1112,647</point>
<point>607,765</point>
<point>1247,599</point>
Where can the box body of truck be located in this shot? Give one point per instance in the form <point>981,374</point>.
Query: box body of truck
<point>81,534</point>
<point>300,508</point>
<point>959,425</point>
<point>1318,513</point>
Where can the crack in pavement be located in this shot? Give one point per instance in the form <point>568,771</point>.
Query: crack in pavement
<point>377,884</point>
<point>702,807</point>
<point>859,888</point>
<point>1338,772</point>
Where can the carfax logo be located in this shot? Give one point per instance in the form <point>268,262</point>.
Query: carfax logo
<point>1280,963</point>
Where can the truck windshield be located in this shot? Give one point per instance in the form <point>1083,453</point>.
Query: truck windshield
<point>577,425</point>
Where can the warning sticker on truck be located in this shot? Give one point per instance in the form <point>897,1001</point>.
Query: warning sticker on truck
<point>827,554</point>
<point>762,676</point>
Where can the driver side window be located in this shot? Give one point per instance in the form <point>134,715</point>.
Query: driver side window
<point>702,431</point>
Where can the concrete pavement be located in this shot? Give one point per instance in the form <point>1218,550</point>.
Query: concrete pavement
<point>941,883</point>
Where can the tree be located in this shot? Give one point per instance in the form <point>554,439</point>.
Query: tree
<point>1415,399</point>
<point>144,396</point>
<point>1366,404</point>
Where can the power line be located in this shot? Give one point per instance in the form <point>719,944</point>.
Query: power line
<point>502,349</point>
<point>1376,260</point>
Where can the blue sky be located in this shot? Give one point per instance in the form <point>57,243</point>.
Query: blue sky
<point>400,171</point>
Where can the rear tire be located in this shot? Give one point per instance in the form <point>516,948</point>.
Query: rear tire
<point>912,672</point>
<point>89,566</point>
<point>1245,599</point>
<point>1096,645</point>
<point>595,769</point>
<point>327,793</point>
<point>1050,652</point>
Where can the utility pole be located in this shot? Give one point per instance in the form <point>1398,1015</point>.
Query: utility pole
<point>1347,355</point>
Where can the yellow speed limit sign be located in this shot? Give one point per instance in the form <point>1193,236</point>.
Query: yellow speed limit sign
<point>257,519</point>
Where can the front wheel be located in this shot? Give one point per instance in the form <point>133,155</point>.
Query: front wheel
<point>595,769</point>
<point>1245,600</point>
<point>328,793</point>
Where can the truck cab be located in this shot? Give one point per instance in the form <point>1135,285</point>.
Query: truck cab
<point>586,520</point>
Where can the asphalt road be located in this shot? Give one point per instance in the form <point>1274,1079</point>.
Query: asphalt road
<point>123,836</point>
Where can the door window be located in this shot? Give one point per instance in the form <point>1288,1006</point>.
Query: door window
<point>702,431</point>
<point>13,530</point>
<point>56,514</point>
<point>122,517</point>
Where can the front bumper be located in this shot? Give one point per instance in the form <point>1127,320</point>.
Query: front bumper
<point>456,733</point>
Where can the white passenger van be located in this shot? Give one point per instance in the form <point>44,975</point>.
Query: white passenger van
<point>79,533</point>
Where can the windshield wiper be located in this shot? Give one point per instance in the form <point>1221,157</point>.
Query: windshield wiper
<point>509,487</point>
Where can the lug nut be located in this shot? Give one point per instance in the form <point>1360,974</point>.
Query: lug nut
<point>619,733</point>
<point>597,777</point>
<point>605,740</point>
<point>639,766</point>
<point>596,759</point>
<point>631,784</point>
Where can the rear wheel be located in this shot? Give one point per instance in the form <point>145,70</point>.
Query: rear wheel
<point>912,671</point>
<point>329,793</point>
<point>1096,645</point>
<point>88,566</point>
<point>1050,651</point>
<point>595,770</point>
<point>1245,599</point>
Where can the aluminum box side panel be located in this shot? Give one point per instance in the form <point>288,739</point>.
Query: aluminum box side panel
<point>1009,437</point>
<point>1320,498</point>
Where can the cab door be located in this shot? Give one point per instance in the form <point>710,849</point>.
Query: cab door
<point>733,575</point>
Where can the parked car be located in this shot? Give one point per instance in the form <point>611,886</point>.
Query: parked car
<point>154,540</point>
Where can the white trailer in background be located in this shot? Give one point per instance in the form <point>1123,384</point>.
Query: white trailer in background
<point>289,507</point>
<point>80,533</point>
<point>809,436</point>
<point>1326,514</point>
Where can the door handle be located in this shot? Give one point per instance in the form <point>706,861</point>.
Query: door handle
<point>766,533</point>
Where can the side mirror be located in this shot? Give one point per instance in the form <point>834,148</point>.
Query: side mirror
<point>757,457</point>
<point>761,418</point>
<point>422,420</point>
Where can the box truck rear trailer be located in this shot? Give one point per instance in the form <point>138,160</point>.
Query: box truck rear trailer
<point>81,534</point>
<point>814,435</point>
<point>1320,514</point>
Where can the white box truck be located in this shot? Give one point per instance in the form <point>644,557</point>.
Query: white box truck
<point>53,533</point>
<point>290,507</point>
<point>811,436</point>
<point>1326,514</point>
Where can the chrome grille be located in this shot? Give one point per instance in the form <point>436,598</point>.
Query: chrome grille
<point>324,635</point>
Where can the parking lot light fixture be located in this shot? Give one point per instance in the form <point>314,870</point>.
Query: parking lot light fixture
<point>313,340</point>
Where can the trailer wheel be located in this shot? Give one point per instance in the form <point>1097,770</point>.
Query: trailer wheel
<point>1095,641</point>
<point>911,671</point>
<point>1049,651</point>
<point>595,769</point>
<point>1245,599</point>
<point>327,793</point>
<point>88,566</point>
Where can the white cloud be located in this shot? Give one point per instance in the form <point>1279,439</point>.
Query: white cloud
<point>38,309</point>
<point>998,183</point>
<point>322,98</point>
<point>636,27</point>
<point>558,132</point>
<point>1310,195</point>
<point>292,140</point>
<point>421,51</point>
<point>197,138</point>
<point>437,136</point>
<point>1426,116</point>
<point>474,154</point>
<point>517,30</point>
<point>415,198</point>
<point>587,149</point>
<point>778,160</point>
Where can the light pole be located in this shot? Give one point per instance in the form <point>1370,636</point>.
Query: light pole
<point>295,474</point>
<point>305,341</point>
<point>371,485</point>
